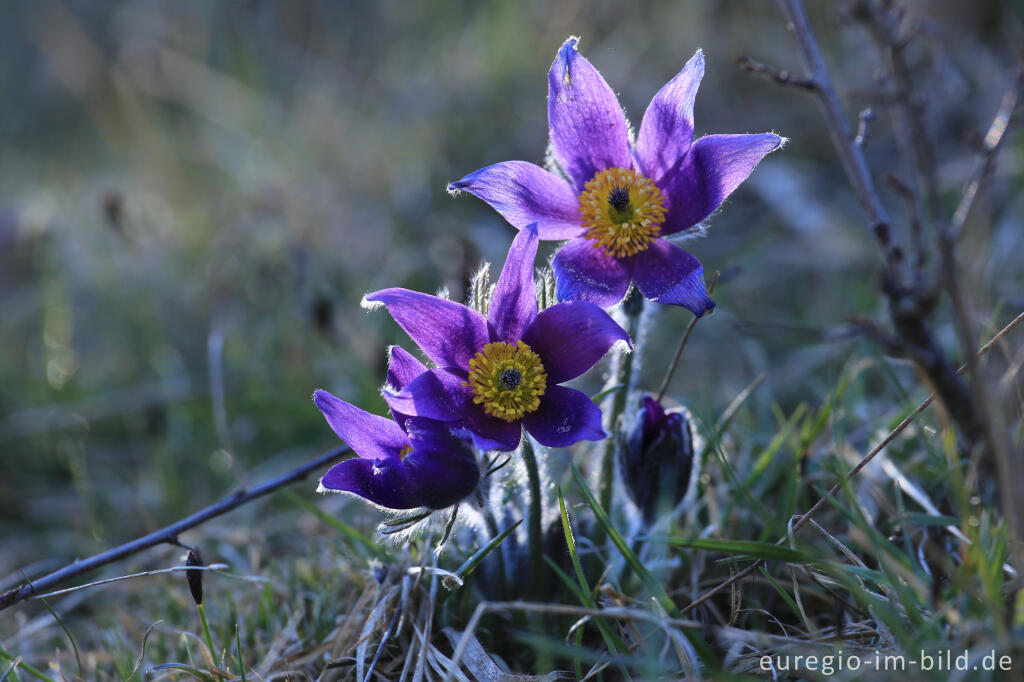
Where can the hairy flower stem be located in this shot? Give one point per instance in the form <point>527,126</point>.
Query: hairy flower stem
<point>533,528</point>
<point>492,528</point>
<point>633,307</point>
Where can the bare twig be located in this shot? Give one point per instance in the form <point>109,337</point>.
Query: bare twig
<point>806,517</point>
<point>682,344</point>
<point>1009,476</point>
<point>906,192</point>
<point>910,303</point>
<point>864,119</point>
<point>779,76</point>
<point>885,23</point>
<point>168,534</point>
<point>842,137</point>
<point>991,144</point>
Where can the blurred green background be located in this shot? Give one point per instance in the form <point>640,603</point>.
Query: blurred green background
<point>194,197</point>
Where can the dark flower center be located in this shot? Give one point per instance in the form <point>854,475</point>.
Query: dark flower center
<point>618,198</point>
<point>511,379</point>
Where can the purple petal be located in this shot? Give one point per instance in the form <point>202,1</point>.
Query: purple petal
<point>565,416</point>
<point>448,332</point>
<point>525,194</point>
<point>715,166</point>
<point>435,394</point>
<point>379,481</point>
<point>583,272</point>
<point>667,129</point>
<point>367,434</point>
<point>571,337</point>
<point>489,433</point>
<point>588,129</point>
<point>402,369</point>
<point>666,274</point>
<point>514,304</point>
<point>441,469</point>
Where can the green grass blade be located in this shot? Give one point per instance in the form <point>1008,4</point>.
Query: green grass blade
<point>22,665</point>
<point>348,531</point>
<point>238,648</point>
<point>611,640</point>
<point>740,548</point>
<point>467,567</point>
<point>567,579</point>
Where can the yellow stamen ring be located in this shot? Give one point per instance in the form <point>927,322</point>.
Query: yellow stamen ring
<point>622,211</point>
<point>507,379</point>
<point>404,451</point>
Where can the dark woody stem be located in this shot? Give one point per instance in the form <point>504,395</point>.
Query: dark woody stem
<point>633,307</point>
<point>533,528</point>
<point>169,534</point>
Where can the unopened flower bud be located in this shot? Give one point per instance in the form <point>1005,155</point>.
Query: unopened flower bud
<point>194,577</point>
<point>656,458</point>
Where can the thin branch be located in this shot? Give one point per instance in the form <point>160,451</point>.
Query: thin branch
<point>992,141</point>
<point>682,344</point>
<point>168,534</point>
<point>909,197</point>
<point>885,24</point>
<point>806,517</point>
<point>842,137</point>
<point>1009,477</point>
<point>778,76</point>
<point>864,119</point>
<point>910,302</point>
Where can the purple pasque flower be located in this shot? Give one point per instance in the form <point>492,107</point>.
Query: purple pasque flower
<point>619,204</point>
<point>404,464</point>
<point>500,373</point>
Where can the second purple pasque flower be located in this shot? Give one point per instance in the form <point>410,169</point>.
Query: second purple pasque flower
<point>498,374</point>
<point>619,204</point>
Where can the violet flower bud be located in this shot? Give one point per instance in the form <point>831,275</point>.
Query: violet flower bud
<point>656,458</point>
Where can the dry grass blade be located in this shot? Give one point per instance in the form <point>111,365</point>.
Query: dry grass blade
<point>562,609</point>
<point>142,654</point>
<point>143,574</point>
<point>485,669</point>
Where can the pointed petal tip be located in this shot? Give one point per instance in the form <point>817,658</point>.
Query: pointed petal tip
<point>565,54</point>
<point>322,397</point>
